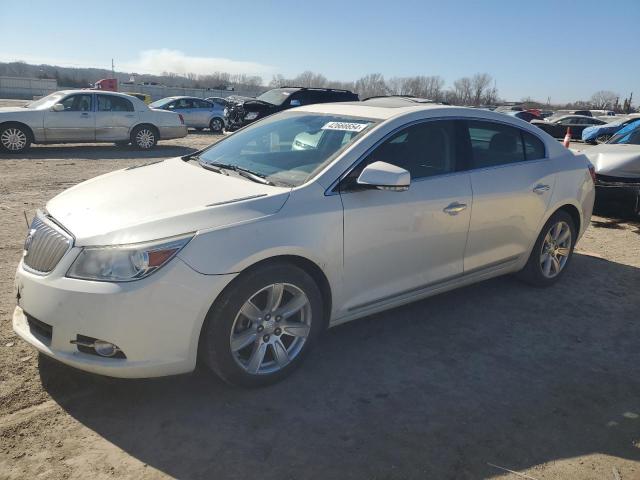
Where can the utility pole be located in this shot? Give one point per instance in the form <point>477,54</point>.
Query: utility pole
<point>113,72</point>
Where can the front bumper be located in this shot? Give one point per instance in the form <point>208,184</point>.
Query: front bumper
<point>155,321</point>
<point>618,190</point>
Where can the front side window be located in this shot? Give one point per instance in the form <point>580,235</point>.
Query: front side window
<point>288,148</point>
<point>111,103</point>
<point>77,103</point>
<point>494,144</point>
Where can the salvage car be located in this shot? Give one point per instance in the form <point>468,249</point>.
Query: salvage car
<point>197,113</point>
<point>132,275</point>
<point>617,167</point>
<point>558,127</point>
<point>602,133</point>
<point>85,116</point>
<point>244,111</point>
<point>524,115</point>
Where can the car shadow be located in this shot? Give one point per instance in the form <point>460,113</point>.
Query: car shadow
<point>498,372</point>
<point>97,152</point>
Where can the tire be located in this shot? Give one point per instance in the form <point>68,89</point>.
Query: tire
<point>541,269</point>
<point>216,125</point>
<point>280,343</point>
<point>14,138</point>
<point>144,137</point>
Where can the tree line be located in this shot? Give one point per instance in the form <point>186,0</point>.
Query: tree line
<point>476,90</point>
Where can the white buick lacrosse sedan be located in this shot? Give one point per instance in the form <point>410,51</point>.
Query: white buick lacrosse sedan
<point>242,254</point>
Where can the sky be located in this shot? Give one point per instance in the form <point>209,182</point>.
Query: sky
<point>562,49</point>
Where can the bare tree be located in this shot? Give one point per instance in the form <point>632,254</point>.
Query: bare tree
<point>418,86</point>
<point>604,99</point>
<point>462,91</point>
<point>310,79</point>
<point>371,85</point>
<point>480,87</point>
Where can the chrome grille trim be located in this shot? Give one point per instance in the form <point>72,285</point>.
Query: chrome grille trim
<point>45,246</point>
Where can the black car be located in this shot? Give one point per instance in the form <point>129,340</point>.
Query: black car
<point>246,110</point>
<point>558,127</point>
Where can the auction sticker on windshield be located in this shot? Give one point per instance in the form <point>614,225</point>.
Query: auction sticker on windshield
<point>345,126</point>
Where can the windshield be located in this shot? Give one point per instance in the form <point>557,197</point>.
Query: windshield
<point>628,135</point>
<point>46,102</point>
<point>276,96</point>
<point>159,103</point>
<point>287,148</point>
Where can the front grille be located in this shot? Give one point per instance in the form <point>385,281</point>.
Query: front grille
<point>45,246</point>
<point>40,330</point>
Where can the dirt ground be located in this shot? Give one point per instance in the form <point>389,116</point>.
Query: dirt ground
<point>461,386</point>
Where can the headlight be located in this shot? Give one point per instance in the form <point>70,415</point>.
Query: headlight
<point>125,263</point>
<point>225,112</point>
<point>251,115</point>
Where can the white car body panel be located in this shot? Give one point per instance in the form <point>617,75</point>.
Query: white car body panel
<point>377,249</point>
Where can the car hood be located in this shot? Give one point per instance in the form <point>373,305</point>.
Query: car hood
<point>615,160</point>
<point>160,200</point>
<point>15,110</point>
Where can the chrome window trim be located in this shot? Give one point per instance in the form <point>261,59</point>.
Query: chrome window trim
<point>331,190</point>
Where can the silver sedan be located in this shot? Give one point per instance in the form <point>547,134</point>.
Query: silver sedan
<point>197,113</point>
<point>77,116</point>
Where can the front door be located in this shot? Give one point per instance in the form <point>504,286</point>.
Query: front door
<point>512,184</point>
<point>396,243</point>
<point>76,123</point>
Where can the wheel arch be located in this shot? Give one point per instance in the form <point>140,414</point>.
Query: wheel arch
<point>573,211</point>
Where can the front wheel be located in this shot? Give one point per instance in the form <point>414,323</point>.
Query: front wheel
<point>262,326</point>
<point>144,137</point>
<point>14,139</point>
<point>552,251</point>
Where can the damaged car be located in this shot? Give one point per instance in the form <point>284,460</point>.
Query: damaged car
<point>617,167</point>
<point>243,111</point>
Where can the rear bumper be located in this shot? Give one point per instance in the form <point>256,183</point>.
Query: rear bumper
<point>172,132</point>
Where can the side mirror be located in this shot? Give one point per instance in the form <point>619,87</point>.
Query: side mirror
<point>58,107</point>
<point>295,103</point>
<point>384,176</point>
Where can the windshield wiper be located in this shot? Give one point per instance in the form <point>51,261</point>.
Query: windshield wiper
<point>244,172</point>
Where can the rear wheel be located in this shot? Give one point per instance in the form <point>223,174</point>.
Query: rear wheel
<point>144,137</point>
<point>216,125</point>
<point>263,325</point>
<point>552,251</point>
<point>14,139</point>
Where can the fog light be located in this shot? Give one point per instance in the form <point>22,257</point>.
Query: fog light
<point>105,349</point>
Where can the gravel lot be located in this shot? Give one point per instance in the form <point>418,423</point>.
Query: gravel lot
<point>544,382</point>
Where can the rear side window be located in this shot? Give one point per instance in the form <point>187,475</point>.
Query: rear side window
<point>494,144</point>
<point>111,103</point>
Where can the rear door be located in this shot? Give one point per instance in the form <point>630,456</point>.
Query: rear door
<point>184,106</point>
<point>397,243</point>
<point>512,183</point>
<point>202,112</point>
<point>115,117</point>
<point>76,123</point>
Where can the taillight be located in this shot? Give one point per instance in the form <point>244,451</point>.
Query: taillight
<point>592,172</point>
<point>181,118</point>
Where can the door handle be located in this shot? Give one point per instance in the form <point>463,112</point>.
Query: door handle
<point>540,188</point>
<point>84,114</point>
<point>454,208</point>
<point>130,115</point>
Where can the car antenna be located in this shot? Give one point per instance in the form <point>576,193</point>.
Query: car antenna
<point>26,219</point>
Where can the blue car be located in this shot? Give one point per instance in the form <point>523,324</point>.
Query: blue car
<point>602,133</point>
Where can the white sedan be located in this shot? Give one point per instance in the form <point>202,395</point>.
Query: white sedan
<point>388,201</point>
<point>87,116</point>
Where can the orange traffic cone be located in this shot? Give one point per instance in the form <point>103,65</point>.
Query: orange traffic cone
<point>567,138</point>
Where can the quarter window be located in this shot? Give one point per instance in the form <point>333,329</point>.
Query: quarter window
<point>533,146</point>
<point>112,103</point>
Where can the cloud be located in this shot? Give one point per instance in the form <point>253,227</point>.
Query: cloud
<point>175,61</point>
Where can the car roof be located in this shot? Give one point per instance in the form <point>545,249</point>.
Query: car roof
<point>369,110</point>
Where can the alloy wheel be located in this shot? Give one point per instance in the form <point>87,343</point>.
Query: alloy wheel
<point>216,125</point>
<point>271,329</point>
<point>556,249</point>
<point>145,138</point>
<point>13,139</point>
